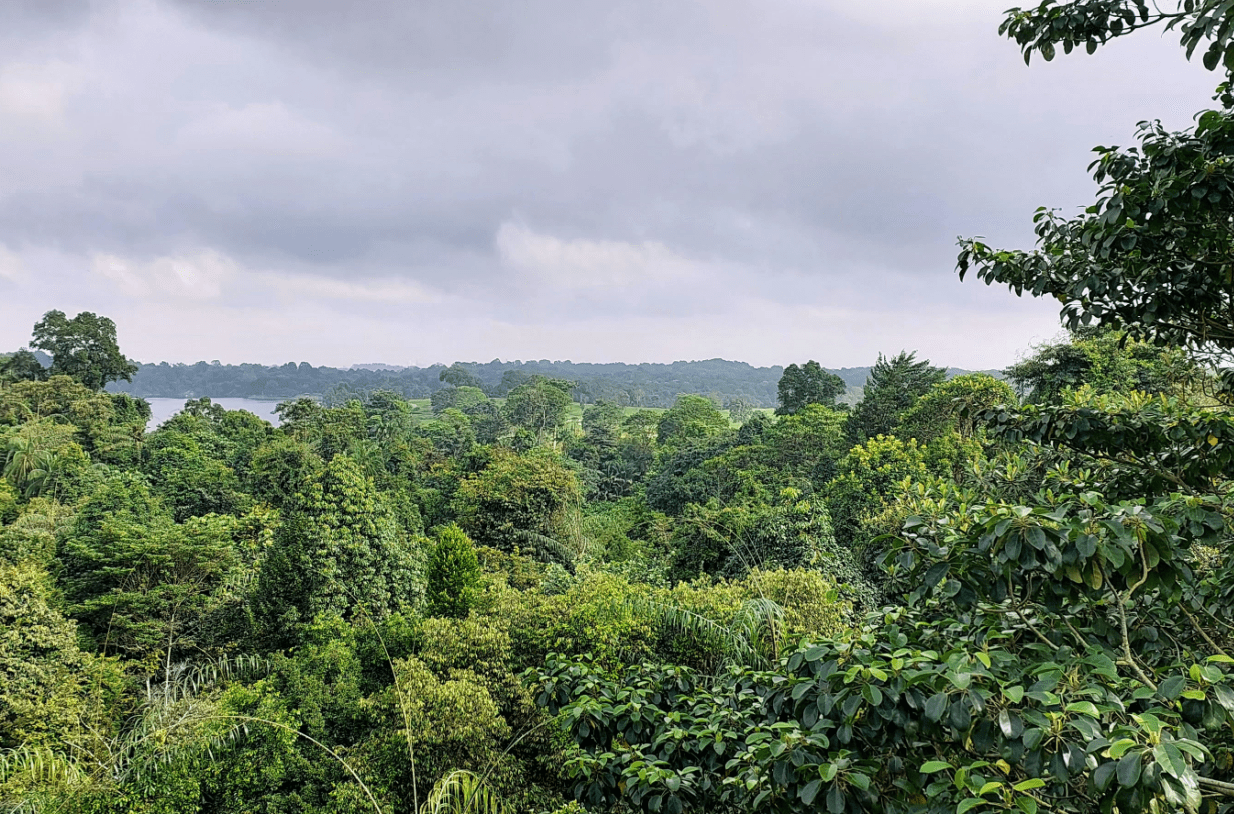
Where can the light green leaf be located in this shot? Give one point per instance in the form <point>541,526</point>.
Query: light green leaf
<point>1084,708</point>
<point>969,804</point>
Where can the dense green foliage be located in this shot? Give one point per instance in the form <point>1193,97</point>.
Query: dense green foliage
<point>983,604</point>
<point>219,615</point>
<point>894,385</point>
<point>83,348</point>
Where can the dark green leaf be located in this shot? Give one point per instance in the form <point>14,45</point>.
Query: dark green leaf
<point>1129,769</point>
<point>1104,776</point>
<point>1172,687</point>
<point>835,800</point>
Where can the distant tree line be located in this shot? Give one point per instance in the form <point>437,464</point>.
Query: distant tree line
<point>735,384</point>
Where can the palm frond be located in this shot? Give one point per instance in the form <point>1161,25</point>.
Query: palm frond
<point>36,778</point>
<point>736,643</point>
<point>760,622</point>
<point>183,680</point>
<point>461,792</point>
<point>546,548</point>
<point>38,764</point>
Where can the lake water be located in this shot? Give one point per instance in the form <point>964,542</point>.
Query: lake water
<point>162,409</point>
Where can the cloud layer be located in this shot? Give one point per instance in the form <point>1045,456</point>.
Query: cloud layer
<point>260,180</point>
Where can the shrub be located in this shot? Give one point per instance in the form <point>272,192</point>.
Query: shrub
<point>453,574</point>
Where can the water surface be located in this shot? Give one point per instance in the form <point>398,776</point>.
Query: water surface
<point>162,409</point>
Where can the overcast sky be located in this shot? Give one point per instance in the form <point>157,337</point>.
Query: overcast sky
<point>419,181</point>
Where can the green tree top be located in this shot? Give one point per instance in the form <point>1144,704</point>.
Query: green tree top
<point>22,366</point>
<point>954,405</point>
<point>894,385</point>
<point>807,384</point>
<point>459,376</point>
<point>453,574</point>
<point>83,347</point>
<point>1107,361</point>
<point>338,550</point>
<point>691,418</point>
<point>539,404</point>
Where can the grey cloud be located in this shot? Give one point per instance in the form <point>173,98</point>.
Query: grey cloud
<point>27,20</point>
<point>438,43</point>
<point>782,153</point>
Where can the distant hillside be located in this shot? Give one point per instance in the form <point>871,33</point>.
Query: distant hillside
<point>43,358</point>
<point>640,385</point>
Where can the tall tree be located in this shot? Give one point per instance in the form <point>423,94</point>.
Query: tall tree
<point>807,384</point>
<point>83,347</point>
<point>893,386</point>
<point>692,418</point>
<point>466,399</point>
<point>339,550</point>
<point>459,376</point>
<point>539,405</point>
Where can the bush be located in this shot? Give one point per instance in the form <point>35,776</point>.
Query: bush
<point>8,502</point>
<point>453,574</point>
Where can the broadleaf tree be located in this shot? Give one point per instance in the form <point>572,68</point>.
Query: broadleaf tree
<point>83,347</point>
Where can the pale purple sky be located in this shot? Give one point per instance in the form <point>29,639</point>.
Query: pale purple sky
<point>340,181</point>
